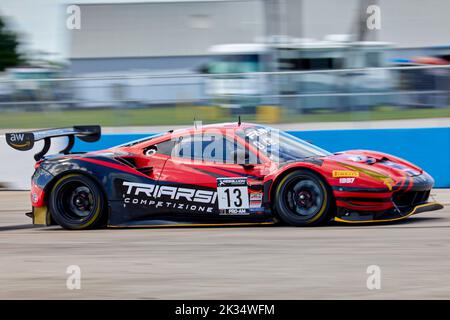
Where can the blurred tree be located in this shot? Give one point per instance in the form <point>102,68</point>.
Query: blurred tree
<point>9,55</point>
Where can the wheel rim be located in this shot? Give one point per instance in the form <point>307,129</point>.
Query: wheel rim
<point>304,198</point>
<point>76,201</point>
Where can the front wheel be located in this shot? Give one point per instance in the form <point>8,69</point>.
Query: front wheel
<point>76,202</point>
<point>303,199</point>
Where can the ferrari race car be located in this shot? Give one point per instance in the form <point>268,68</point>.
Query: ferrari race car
<point>222,174</point>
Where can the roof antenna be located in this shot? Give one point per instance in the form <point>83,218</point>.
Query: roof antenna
<point>239,121</point>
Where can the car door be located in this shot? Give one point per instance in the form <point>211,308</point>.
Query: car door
<point>152,158</point>
<point>217,183</point>
<point>138,193</point>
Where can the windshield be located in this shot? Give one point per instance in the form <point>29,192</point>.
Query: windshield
<point>280,146</point>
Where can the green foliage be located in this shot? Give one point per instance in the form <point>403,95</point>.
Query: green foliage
<point>185,116</point>
<point>9,56</point>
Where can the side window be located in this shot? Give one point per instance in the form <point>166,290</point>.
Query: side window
<point>209,147</point>
<point>206,147</point>
<point>184,148</point>
<point>164,147</point>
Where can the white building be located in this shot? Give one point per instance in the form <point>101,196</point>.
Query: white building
<point>173,34</point>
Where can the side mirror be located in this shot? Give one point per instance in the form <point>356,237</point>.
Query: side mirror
<point>242,157</point>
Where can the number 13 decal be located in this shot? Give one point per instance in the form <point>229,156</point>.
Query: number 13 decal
<point>232,193</point>
<point>235,197</point>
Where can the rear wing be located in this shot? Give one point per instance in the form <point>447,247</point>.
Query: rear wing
<point>24,141</point>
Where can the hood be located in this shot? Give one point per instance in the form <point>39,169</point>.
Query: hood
<point>377,165</point>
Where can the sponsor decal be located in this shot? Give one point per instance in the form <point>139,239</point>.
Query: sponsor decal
<point>346,180</point>
<point>20,141</point>
<point>388,181</point>
<point>265,140</point>
<point>34,197</point>
<point>234,212</point>
<point>232,194</point>
<point>256,199</point>
<point>223,182</point>
<point>345,174</point>
<point>171,197</point>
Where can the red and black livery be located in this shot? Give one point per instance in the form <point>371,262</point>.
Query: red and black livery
<point>223,174</point>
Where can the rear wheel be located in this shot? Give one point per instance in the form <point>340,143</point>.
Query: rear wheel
<point>76,202</point>
<point>303,199</point>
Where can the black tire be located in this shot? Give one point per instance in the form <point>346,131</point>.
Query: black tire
<point>303,198</point>
<point>77,202</point>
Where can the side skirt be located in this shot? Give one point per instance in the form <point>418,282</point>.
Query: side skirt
<point>163,224</point>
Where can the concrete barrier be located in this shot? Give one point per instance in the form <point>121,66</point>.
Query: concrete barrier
<point>16,167</point>
<point>427,147</point>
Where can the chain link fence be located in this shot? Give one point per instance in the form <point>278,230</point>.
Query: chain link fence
<point>294,94</point>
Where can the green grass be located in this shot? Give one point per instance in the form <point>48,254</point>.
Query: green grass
<point>185,114</point>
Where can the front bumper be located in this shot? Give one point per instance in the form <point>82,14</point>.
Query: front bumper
<point>407,197</point>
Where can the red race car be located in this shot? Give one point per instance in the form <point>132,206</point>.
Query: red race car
<point>223,174</point>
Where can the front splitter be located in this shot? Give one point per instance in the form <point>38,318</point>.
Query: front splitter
<point>430,206</point>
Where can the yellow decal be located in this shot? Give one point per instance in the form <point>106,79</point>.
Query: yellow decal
<point>345,174</point>
<point>388,182</point>
<point>26,144</point>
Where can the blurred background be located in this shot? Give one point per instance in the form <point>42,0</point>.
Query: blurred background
<point>327,71</point>
<point>143,63</point>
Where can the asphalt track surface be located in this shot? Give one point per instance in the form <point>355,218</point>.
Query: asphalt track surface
<point>225,262</point>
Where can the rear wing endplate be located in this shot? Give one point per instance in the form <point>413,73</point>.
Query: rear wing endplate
<point>24,141</point>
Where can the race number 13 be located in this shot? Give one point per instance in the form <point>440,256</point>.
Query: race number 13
<point>232,193</point>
